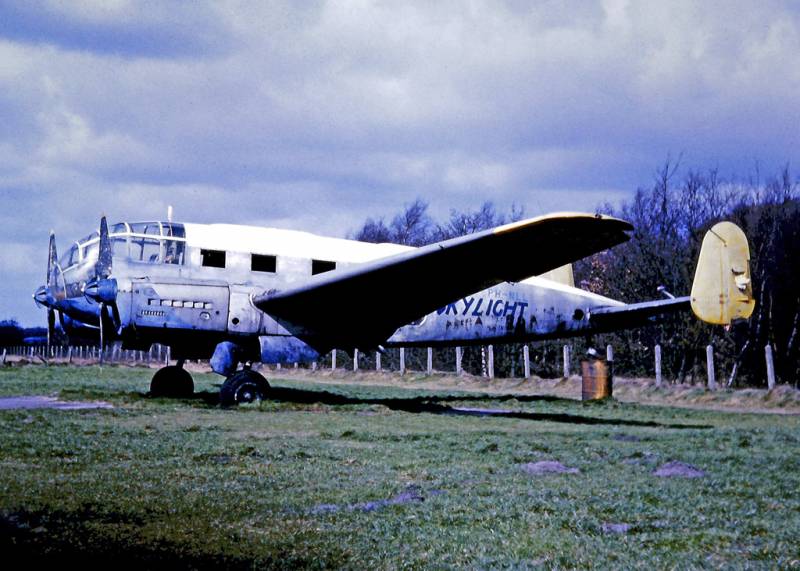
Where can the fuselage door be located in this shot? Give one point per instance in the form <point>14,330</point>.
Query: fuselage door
<point>243,316</point>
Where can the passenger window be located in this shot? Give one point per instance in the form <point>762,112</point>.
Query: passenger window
<point>321,266</point>
<point>213,258</point>
<point>263,263</point>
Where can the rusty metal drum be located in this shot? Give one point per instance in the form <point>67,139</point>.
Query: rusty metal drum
<point>596,379</point>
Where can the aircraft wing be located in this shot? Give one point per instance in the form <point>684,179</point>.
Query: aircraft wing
<point>362,306</point>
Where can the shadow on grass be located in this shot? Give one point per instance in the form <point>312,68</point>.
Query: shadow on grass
<point>61,539</point>
<point>434,405</point>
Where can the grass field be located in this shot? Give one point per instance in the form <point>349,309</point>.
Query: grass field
<point>333,475</point>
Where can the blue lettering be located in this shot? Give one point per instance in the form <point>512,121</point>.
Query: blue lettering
<point>468,301</point>
<point>510,308</point>
<point>476,313</point>
<point>522,306</point>
<point>449,307</point>
<point>497,304</point>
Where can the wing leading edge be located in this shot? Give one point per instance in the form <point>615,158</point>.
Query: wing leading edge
<point>364,305</point>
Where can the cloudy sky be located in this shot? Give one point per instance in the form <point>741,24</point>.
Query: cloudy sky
<point>315,115</point>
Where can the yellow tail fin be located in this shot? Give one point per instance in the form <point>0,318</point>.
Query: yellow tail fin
<point>721,291</point>
<point>562,275</point>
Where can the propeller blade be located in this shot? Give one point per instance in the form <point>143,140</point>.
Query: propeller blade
<point>51,326</point>
<point>52,259</point>
<point>62,321</point>
<point>102,329</point>
<point>102,268</point>
<point>54,290</point>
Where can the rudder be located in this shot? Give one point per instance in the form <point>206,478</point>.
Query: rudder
<point>722,290</point>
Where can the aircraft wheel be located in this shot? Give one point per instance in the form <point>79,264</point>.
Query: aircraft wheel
<point>172,382</point>
<point>243,387</point>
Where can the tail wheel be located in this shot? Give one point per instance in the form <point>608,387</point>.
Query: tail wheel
<point>243,387</point>
<point>172,382</point>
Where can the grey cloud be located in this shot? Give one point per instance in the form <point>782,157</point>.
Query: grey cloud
<point>128,29</point>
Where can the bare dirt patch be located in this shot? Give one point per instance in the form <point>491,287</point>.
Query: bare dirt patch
<point>548,467</point>
<point>676,469</point>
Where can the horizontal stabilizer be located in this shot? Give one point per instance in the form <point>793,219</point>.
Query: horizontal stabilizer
<point>722,291</point>
<point>613,317</point>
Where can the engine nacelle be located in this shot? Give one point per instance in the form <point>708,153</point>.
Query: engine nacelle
<point>285,349</point>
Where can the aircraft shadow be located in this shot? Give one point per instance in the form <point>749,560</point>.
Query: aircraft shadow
<point>434,405</point>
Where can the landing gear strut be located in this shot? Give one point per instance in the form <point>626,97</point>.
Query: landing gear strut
<point>242,387</point>
<point>173,382</point>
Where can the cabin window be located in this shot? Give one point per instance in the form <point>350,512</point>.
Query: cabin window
<point>321,266</point>
<point>213,258</point>
<point>263,263</point>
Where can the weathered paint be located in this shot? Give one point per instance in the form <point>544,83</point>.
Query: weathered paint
<point>722,291</point>
<point>526,310</point>
<point>201,310</point>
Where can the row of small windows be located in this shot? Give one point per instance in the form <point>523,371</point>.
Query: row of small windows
<point>261,262</point>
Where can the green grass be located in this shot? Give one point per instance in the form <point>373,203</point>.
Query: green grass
<point>157,483</point>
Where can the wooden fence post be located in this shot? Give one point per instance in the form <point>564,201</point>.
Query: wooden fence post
<point>355,360</point>
<point>566,361</point>
<point>712,381</point>
<point>490,359</point>
<point>333,360</point>
<point>770,367</point>
<point>526,357</point>
<point>402,360</point>
<point>430,361</point>
<point>378,361</point>
<point>459,359</point>
<point>658,365</point>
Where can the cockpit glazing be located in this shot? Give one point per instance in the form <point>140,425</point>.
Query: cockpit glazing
<point>147,242</point>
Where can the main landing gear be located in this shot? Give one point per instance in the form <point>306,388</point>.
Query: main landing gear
<point>242,387</point>
<point>173,382</point>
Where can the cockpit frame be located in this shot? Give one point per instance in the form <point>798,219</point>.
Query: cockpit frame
<point>152,242</point>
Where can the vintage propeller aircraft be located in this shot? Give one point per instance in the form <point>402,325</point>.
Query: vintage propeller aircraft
<point>240,294</point>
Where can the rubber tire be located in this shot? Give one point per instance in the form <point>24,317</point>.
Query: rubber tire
<point>243,387</point>
<point>172,382</point>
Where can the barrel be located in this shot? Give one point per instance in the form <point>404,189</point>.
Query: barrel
<point>596,379</point>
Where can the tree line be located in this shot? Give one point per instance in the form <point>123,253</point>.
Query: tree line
<point>670,218</point>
